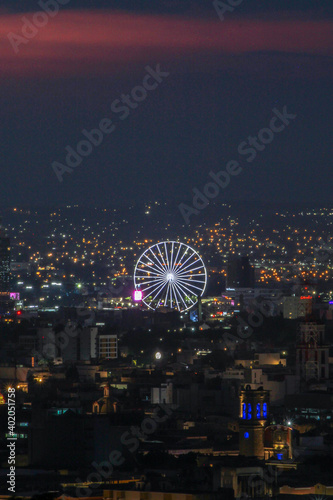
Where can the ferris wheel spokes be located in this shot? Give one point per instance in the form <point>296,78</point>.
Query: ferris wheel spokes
<point>157,265</point>
<point>171,274</point>
<point>180,271</point>
<point>179,287</point>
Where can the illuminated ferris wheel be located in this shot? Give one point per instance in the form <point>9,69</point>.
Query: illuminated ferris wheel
<point>170,274</point>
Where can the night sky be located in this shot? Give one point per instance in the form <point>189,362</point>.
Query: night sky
<point>225,78</point>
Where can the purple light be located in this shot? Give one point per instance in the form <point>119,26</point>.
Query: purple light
<point>137,295</point>
<point>331,302</point>
<point>14,296</point>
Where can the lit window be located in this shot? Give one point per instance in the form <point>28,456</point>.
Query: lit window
<point>258,410</point>
<point>264,410</point>
<point>249,411</point>
<point>279,456</point>
<point>244,410</point>
<point>246,435</point>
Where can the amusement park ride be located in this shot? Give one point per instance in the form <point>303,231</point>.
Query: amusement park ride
<point>170,274</point>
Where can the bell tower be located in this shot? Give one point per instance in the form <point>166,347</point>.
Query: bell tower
<point>254,410</point>
<point>311,352</point>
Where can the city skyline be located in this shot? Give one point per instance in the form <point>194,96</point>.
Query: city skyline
<point>166,249</point>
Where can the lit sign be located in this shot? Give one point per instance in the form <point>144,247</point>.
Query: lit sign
<point>306,297</point>
<point>137,295</point>
<point>14,296</point>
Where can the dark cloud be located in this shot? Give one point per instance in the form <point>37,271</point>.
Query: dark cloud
<point>317,8</point>
<point>79,42</point>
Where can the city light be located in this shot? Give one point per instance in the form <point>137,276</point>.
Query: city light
<point>166,312</point>
<point>137,295</point>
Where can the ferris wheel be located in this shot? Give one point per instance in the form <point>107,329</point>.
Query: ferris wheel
<point>170,274</point>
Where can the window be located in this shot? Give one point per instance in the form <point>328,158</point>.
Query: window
<point>61,412</point>
<point>244,411</point>
<point>249,411</point>
<point>264,410</point>
<point>279,456</point>
<point>246,435</point>
<point>258,411</point>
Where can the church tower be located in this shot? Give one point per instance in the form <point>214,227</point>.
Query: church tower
<point>106,404</point>
<point>254,409</point>
<point>312,354</point>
